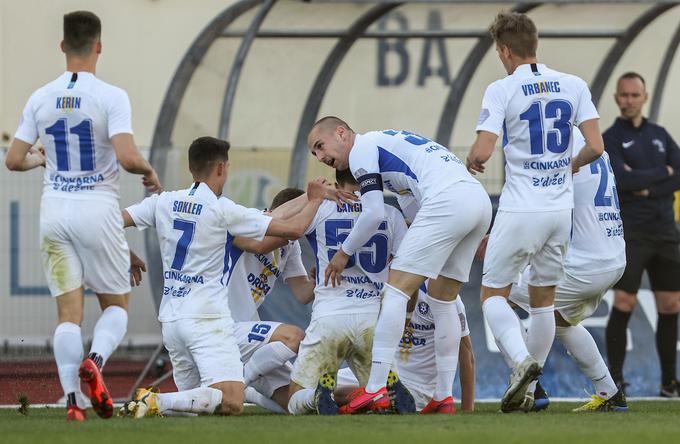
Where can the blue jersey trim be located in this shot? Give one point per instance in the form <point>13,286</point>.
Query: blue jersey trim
<point>388,162</point>
<point>311,238</point>
<point>231,256</point>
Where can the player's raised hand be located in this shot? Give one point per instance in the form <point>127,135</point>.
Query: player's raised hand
<point>335,268</point>
<point>151,182</point>
<point>137,266</point>
<point>316,189</point>
<point>340,196</point>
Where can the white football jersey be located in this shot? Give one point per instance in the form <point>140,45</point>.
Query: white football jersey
<point>366,271</point>
<point>192,228</point>
<point>75,117</point>
<point>536,108</point>
<point>251,277</point>
<point>407,163</point>
<point>597,243</point>
<point>415,357</point>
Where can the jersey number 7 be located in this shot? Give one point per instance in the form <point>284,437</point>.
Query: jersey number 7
<point>187,228</point>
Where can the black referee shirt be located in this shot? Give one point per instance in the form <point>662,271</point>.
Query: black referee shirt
<point>645,151</point>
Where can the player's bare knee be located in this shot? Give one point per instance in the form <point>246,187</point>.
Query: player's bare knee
<point>668,302</point>
<point>289,335</point>
<point>118,300</point>
<point>624,301</point>
<point>231,407</point>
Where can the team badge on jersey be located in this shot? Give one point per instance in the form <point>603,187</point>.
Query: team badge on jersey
<point>423,308</point>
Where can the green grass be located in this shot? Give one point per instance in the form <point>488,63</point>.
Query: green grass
<point>646,423</point>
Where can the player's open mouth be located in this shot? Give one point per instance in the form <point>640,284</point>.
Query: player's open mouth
<point>330,163</point>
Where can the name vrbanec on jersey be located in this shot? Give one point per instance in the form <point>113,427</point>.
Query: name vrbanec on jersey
<point>75,117</point>
<point>192,228</point>
<point>408,164</point>
<point>366,270</point>
<point>535,109</point>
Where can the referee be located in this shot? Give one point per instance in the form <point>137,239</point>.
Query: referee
<point>646,163</point>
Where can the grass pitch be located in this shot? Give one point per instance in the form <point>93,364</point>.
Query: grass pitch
<point>646,422</point>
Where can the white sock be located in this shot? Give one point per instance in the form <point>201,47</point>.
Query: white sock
<point>388,331</point>
<point>302,401</point>
<point>541,332</point>
<point>446,344</point>
<point>505,328</point>
<point>506,357</point>
<point>178,414</point>
<point>109,331</point>
<point>68,352</point>
<point>265,359</point>
<point>257,398</point>
<point>198,400</point>
<point>581,346</point>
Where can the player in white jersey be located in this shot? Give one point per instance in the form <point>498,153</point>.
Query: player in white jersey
<point>535,108</point>
<point>266,346</point>
<point>595,261</point>
<point>450,213</point>
<point>415,360</point>
<point>84,125</point>
<point>344,315</point>
<point>197,327</point>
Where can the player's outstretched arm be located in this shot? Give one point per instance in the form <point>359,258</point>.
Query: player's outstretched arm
<point>594,144</point>
<point>132,161</point>
<point>295,227</point>
<point>466,361</point>
<point>302,288</point>
<point>23,157</point>
<point>266,245</point>
<point>294,206</point>
<point>481,151</point>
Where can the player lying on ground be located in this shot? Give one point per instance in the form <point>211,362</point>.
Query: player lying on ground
<point>196,323</point>
<point>415,360</point>
<point>344,315</point>
<point>535,108</point>
<point>450,213</point>
<point>595,260</point>
<point>85,128</point>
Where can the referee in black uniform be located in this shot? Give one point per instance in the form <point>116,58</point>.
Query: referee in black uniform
<point>646,163</point>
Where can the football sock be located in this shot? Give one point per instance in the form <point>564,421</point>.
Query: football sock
<point>446,344</point>
<point>388,331</point>
<point>541,332</point>
<point>666,345</point>
<point>71,400</point>
<point>97,359</point>
<point>302,402</point>
<point>68,352</point>
<point>257,398</point>
<point>265,359</point>
<point>198,400</point>
<point>109,331</point>
<point>508,361</point>
<point>505,327</point>
<point>581,346</point>
<point>616,341</point>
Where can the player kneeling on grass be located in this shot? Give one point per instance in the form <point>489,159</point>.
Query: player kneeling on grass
<point>343,315</point>
<point>595,261</point>
<point>254,268</point>
<point>197,327</point>
<point>415,360</point>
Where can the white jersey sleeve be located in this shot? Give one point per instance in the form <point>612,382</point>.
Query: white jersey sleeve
<point>242,221</point>
<point>492,115</point>
<point>585,108</point>
<point>294,266</point>
<point>28,129</point>
<point>144,213</point>
<point>119,113</point>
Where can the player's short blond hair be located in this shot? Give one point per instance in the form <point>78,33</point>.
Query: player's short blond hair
<point>516,31</point>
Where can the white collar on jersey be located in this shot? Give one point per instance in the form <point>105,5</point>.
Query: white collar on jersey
<point>203,190</point>
<point>526,68</point>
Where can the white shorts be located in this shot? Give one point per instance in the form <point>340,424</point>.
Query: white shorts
<point>576,298</point>
<point>329,341</point>
<point>252,335</point>
<point>347,379</point>
<point>203,352</point>
<point>519,239</point>
<point>443,238</point>
<point>82,242</point>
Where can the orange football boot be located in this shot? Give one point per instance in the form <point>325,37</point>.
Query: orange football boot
<point>445,406</point>
<point>75,413</point>
<point>362,401</point>
<point>99,394</point>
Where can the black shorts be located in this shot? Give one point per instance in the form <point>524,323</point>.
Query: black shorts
<point>659,254</point>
